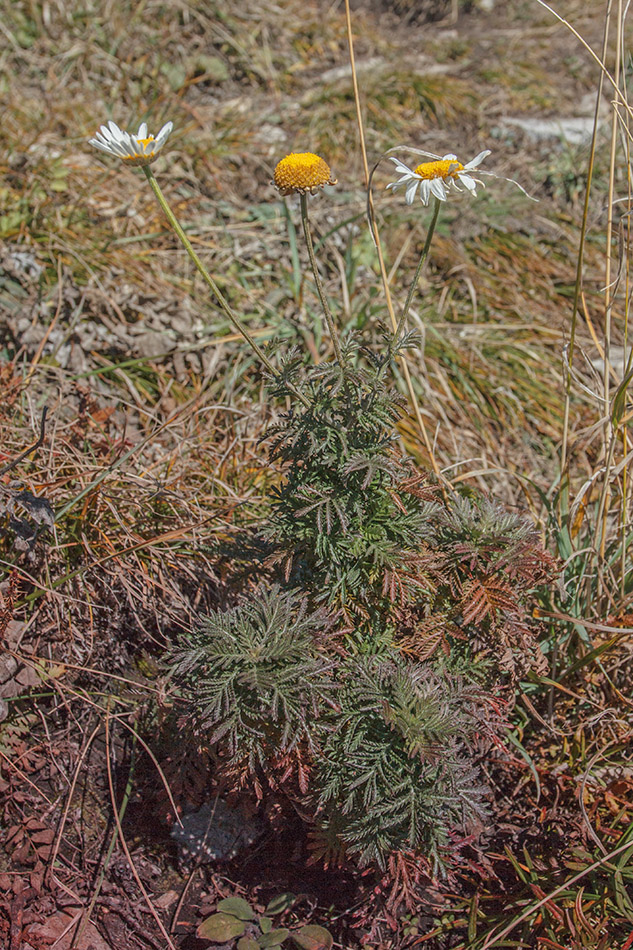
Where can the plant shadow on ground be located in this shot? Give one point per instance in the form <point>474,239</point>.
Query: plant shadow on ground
<point>104,323</point>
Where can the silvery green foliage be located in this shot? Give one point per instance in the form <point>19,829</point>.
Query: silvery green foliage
<point>397,770</point>
<point>379,729</point>
<point>392,744</point>
<point>255,677</point>
<point>343,517</point>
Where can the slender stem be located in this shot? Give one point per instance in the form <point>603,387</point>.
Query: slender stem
<point>568,361</point>
<point>423,257</point>
<point>209,281</point>
<point>381,261</point>
<point>317,280</point>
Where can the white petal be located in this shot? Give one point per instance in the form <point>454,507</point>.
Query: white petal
<point>119,150</point>
<point>142,131</point>
<point>107,134</point>
<point>511,180</point>
<point>437,187</point>
<point>409,176</point>
<point>104,148</point>
<point>116,147</point>
<point>449,157</point>
<point>162,136</point>
<point>412,187</point>
<point>401,167</point>
<point>108,145</point>
<point>470,183</point>
<point>127,144</point>
<point>114,130</point>
<point>477,160</point>
<point>425,192</point>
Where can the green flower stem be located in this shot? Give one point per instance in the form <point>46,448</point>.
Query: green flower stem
<point>423,257</point>
<point>317,280</point>
<point>208,279</point>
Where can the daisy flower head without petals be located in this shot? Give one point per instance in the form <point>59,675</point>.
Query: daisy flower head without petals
<point>139,149</point>
<point>436,179</point>
<point>302,172</point>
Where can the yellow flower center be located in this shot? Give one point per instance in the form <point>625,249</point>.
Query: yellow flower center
<point>144,157</point>
<point>446,168</point>
<point>301,172</point>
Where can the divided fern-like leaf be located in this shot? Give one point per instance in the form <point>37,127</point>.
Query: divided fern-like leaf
<point>255,678</point>
<point>394,772</point>
<point>377,730</point>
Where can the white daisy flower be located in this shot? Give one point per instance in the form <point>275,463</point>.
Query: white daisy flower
<point>139,149</point>
<point>437,178</point>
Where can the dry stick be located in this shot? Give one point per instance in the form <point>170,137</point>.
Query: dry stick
<point>618,632</point>
<point>621,99</point>
<point>25,777</point>
<point>625,479</point>
<point>577,284</point>
<point>116,464</point>
<point>583,233</point>
<point>548,897</point>
<point>209,281</point>
<point>87,912</point>
<point>381,261</point>
<point>33,660</point>
<point>317,279</point>
<point>181,899</point>
<point>120,717</point>
<point>609,425</point>
<point>69,797</point>
<point>625,243</point>
<point>591,51</point>
<point>581,794</point>
<point>135,873</point>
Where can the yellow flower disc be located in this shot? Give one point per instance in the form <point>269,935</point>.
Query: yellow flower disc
<point>143,157</point>
<point>301,172</point>
<point>443,169</point>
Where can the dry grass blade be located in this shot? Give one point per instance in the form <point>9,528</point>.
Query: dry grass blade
<point>121,837</point>
<point>376,238</point>
<point>491,941</point>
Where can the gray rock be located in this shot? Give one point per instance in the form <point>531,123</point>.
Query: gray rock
<point>575,131</point>
<point>215,832</point>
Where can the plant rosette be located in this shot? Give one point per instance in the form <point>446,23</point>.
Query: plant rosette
<point>235,920</point>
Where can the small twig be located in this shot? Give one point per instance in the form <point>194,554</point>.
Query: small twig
<point>105,862</point>
<point>211,284</point>
<point>119,717</point>
<point>123,842</point>
<point>64,816</point>
<point>51,325</point>
<point>181,899</point>
<point>32,448</point>
<point>581,800</point>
